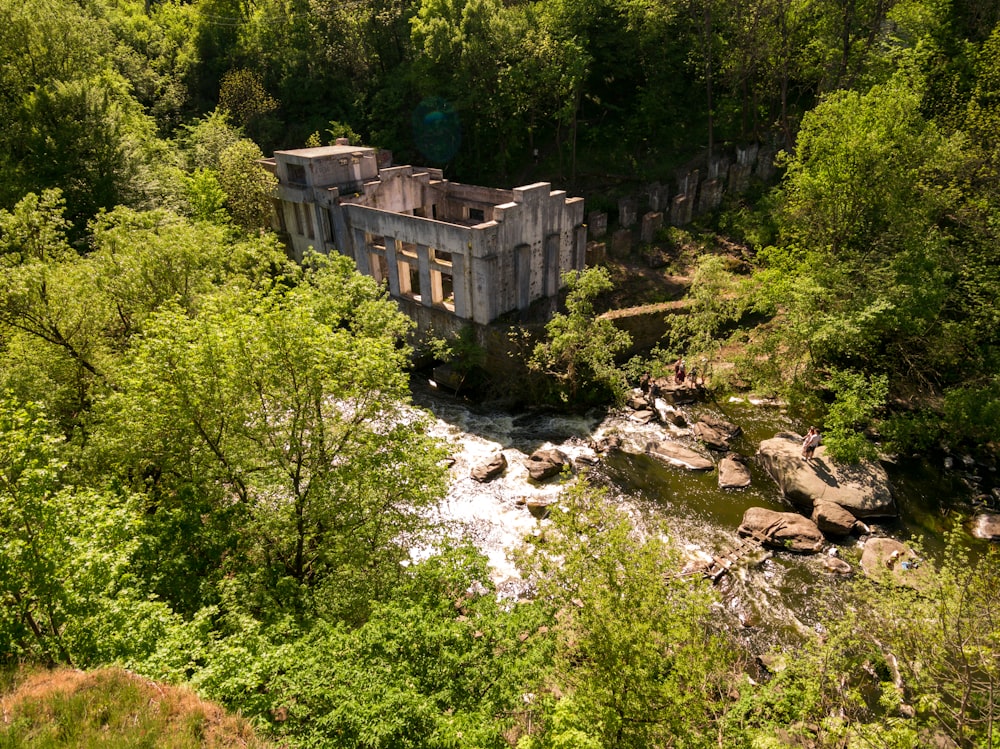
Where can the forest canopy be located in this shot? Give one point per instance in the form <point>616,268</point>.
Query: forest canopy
<point>211,472</point>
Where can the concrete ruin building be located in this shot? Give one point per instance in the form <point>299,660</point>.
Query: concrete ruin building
<point>450,253</point>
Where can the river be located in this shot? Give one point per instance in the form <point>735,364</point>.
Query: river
<point>775,596</point>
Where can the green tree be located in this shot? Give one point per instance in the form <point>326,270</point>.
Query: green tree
<point>285,412</point>
<point>636,656</point>
<point>248,186</point>
<point>579,353</point>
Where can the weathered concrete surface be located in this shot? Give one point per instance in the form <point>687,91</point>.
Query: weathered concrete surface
<point>783,530</point>
<point>677,455</point>
<point>733,473</point>
<point>862,489</point>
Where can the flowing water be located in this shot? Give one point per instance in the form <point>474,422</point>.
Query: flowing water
<point>771,598</point>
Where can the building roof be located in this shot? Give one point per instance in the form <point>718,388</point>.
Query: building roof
<point>322,151</point>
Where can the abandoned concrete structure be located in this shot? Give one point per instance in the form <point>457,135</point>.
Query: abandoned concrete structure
<point>450,253</point>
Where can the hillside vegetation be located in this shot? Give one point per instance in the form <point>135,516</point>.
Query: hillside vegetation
<point>113,708</point>
<point>210,468</point>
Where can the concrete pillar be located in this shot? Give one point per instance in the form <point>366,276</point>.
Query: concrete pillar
<point>711,195</point>
<point>739,179</point>
<point>362,256</point>
<point>621,243</point>
<point>651,223</point>
<point>391,248</point>
<point>765,168</point>
<point>461,285</point>
<point>424,269</point>
<point>550,282</point>
<point>680,210</point>
<point>597,223</point>
<point>522,272</point>
<point>626,212</point>
<point>579,248</point>
<point>597,253</point>
<point>657,196</point>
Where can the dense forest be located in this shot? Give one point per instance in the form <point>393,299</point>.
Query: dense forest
<point>210,468</point>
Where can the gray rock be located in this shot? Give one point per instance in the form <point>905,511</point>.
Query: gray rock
<point>862,489</point>
<point>730,430</point>
<point>710,436</point>
<point>638,402</point>
<point>489,470</point>
<point>607,443</point>
<point>888,560</point>
<point>677,455</point>
<point>733,473</point>
<point>836,565</point>
<point>986,525</point>
<point>546,463</point>
<point>783,530</point>
<point>833,519</point>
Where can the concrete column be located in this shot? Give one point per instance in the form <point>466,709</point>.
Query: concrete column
<point>437,287</point>
<point>550,279</point>
<point>424,269</point>
<point>391,248</point>
<point>362,254</point>
<point>579,248</point>
<point>522,272</point>
<point>460,283</point>
<point>598,223</point>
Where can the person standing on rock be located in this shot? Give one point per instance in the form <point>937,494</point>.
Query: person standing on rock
<point>679,371</point>
<point>810,443</point>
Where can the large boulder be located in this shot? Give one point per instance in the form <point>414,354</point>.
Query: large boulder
<point>546,463</point>
<point>710,436</point>
<point>782,530</point>
<point>733,473</point>
<point>887,559</point>
<point>833,519</point>
<point>730,430</point>
<point>677,455</point>
<point>489,470</point>
<point>862,489</point>
<point>986,525</point>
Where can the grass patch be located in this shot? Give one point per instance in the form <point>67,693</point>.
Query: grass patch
<point>112,708</point>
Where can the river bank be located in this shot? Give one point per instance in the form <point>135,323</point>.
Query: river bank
<point>773,597</point>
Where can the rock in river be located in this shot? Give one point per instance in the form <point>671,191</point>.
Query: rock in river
<point>887,559</point>
<point>545,463</point>
<point>986,525</point>
<point>489,470</point>
<point>862,489</point>
<point>783,530</point>
<point>733,472</point>
<point>677,455</point>
<point>833,519</point>
<point>711,437</point>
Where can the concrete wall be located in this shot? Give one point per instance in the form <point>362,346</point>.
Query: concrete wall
<point>473,252</point>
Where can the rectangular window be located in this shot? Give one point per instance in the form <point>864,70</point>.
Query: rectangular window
<point>296,174</point>
<point>477,214</point>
